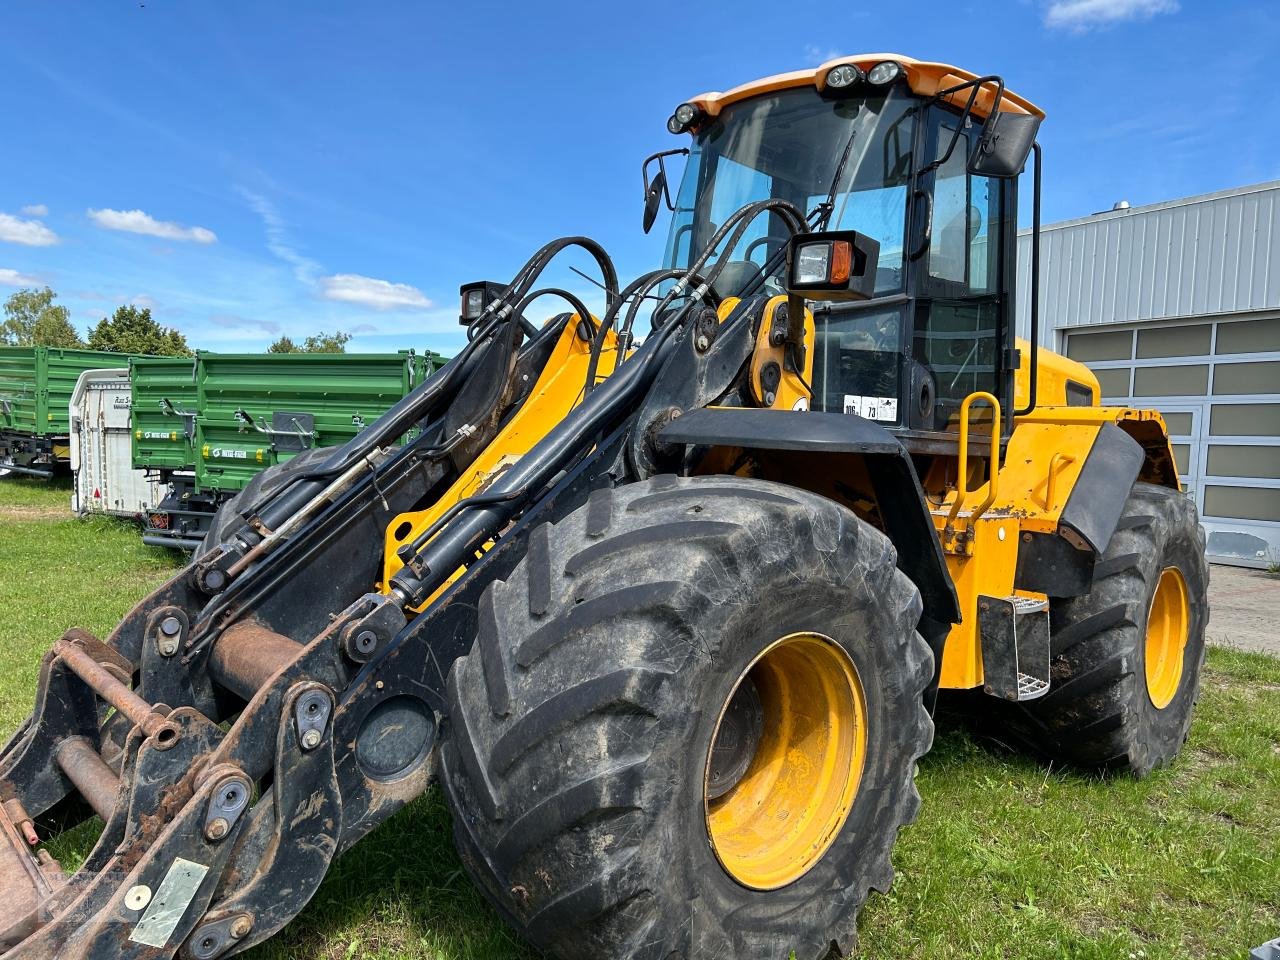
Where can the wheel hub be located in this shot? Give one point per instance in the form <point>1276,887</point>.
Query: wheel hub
<point>1168,623</point>
<point>736,741</point>
<point>778,789</point>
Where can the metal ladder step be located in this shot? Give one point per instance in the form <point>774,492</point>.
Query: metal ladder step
<point>1015,646</point>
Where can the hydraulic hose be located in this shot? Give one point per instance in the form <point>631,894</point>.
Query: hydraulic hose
<point>579,307</point>
<point>455,544</point>
<point>633,292</point>
<point>740,220</point>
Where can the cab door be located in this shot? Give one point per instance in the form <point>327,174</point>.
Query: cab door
<point>964,233</point>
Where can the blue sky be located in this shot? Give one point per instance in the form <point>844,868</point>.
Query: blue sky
<point>255,168</point>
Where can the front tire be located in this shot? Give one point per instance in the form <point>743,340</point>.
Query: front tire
<point>578,757</point>
<point>1126,657</point>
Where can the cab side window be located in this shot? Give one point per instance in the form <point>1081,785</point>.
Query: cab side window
<point>966,215</point>
<point>959,324</point>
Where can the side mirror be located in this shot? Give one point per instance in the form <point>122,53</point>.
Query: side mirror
<point>834,265</point>
<point>653,194</point>
<point>1004,146</point>
<point>655,190</point>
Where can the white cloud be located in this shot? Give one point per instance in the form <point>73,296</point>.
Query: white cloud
<point>143,300</point>
<point>382,294</point>
<point>136,221</point>
<point>13,278</point>
<point>35,210</point>
<point>304,268</point>
<point>231,321</point>
<point>1080,15</point>
<point>29,233</point>
<point>818,55</point>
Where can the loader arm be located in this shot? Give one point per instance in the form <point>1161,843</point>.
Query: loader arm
<point>282,696</point>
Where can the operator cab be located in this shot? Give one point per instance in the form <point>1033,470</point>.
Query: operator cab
<point>901,152</point>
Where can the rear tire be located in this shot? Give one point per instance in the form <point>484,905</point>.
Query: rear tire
<point>1101,709</point>
<point>581,723</point>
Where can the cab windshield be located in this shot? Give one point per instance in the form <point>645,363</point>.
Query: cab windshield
<point>788,146</point>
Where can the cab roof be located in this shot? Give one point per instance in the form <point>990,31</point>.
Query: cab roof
<point>923,77</point>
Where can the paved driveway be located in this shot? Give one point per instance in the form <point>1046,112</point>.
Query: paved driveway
<point>1244,608</point>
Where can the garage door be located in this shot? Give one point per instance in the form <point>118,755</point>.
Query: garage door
<point>1218,385</point>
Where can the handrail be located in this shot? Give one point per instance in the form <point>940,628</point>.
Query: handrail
<point>247,420</point>
<point>1050,488</point>
<point>962,473</point>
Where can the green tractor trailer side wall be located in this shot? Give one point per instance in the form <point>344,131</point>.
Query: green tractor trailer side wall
<point>425,364</point>
<point>36,384</point>
<point>256,410</point>
<point>164,402</point>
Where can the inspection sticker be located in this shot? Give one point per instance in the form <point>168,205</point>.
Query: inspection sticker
<point>872,408</point>
<point>164,913</point>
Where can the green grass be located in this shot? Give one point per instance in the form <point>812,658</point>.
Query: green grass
<point>1009,859</point>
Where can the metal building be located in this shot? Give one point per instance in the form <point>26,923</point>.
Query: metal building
<point>1177,306</point>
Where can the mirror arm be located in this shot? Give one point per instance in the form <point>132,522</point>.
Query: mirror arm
<point>974,86</point>
<point>644,172</point>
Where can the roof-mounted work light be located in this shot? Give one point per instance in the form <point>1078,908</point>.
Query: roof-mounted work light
<point>685,116</point>
<point>844,77</point>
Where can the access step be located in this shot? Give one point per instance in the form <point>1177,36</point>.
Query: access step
<point>1015,646</point>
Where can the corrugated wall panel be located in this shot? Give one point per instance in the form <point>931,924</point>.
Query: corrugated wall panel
<point>1205,255</point>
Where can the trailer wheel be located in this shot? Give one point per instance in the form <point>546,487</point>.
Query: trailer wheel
<point>689,724</point>
<point>1125,672</point>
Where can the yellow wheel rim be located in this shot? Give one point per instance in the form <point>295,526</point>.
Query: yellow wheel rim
<point>779,819</point>
<point>1167,625</point>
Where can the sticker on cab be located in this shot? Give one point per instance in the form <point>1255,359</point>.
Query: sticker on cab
<point>884,409</point>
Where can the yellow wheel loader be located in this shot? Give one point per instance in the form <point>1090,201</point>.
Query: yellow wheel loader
<point>662,598</point>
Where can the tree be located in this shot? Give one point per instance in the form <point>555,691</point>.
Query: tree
<point>335,342</point>
<point>53,329</point>
<point>132,330</point>
<point>31,318</point>
<point>284,345</point>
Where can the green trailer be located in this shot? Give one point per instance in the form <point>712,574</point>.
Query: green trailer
<point>163,400</point>
<point>253,411</point>
<point>36,384</point>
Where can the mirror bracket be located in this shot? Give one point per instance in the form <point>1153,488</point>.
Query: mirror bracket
<point>655,188</point>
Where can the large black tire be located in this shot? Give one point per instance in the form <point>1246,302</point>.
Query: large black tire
<point>580,723</point>
<point>1098,712</point>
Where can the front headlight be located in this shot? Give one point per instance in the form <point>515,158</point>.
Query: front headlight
<point>476,298</point>
<point>832,265</point>
<point>473,304</point>
<point>812,263</point>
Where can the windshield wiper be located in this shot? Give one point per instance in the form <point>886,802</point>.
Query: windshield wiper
<point>829,205</point>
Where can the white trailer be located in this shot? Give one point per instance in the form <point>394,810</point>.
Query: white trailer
<point>101,458</point>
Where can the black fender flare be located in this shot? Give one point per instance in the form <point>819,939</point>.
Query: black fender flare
<point>905,512</point>
<point>1061,564</point>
